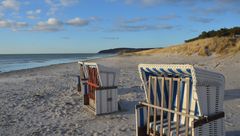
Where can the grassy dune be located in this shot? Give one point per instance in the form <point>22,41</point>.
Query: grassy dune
<point>203,47</point>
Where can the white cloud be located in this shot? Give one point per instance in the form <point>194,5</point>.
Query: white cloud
<point>5,23</point>
<point>13,25</point>
<point>51,25</point>
<point>111,0</point>
<point>33,14</point>
<point>10,4</point>
<point>201,19</point>
<point>53,6</point>
<point>168,17</point>
<point>144,2</point>
<point>144,27</point>
<point>129,1</point>
<point>138,24</point>
<point>150,2</point>
<point>17,26</point>
<point>20,24</point>
<point>53,21</point>
<point>68,2</point>
<point>95,18</point>
<point>77,22</point>
<point>135,20</point>
<point>56,4</point>
<point>111,38</point>
<point>38,11</point>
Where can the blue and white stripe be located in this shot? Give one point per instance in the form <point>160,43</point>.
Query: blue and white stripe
<point>166,72</point>
<point>141,116</point>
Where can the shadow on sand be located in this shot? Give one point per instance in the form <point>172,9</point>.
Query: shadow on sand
<point>128,105</point>
<point>232,94</point>
<point>233,133</point>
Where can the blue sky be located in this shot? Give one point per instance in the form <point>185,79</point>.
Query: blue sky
<point>87,26</point>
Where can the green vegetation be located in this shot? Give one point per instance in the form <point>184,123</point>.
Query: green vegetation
<point>235,31</point>
<point>123,50</point>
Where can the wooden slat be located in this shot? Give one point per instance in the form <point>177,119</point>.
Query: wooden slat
<point>162,101</point>
<point>167,110</point>
<point>136,120</point>
<point>148,114</point>
<point>108,79</point>
<point>98,102</point>
<point>155,103</point>
<point>187,106</point>
<point>81,71</point>
<point>169,106</point>
<point>92,80</point>
<point>178,106</point>
<point>89,80</point>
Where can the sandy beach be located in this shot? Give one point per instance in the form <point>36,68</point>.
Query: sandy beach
<point>45,101</point>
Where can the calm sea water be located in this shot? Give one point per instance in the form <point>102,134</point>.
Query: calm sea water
<point>25,61</point>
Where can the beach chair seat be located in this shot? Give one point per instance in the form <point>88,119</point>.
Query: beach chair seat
<point>180,100</point>
<point>165,127</point>
<point>98,84</point>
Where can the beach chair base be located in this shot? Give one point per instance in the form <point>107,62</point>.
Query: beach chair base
<point>106,101</point>
<point>85,99</point>
<point>90,109</point>
<point>142,131</point>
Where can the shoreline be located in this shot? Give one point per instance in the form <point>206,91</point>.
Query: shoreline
<point>51,65</point>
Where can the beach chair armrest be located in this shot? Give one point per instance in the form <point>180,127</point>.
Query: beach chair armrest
<point>92,84</point>
<point>207,119</point>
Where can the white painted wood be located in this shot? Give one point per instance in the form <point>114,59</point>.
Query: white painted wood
<point>103,104</point>
<point>108,101</point>
<point>103,101</point>
<point>97,101</point>
<point>115,100</point>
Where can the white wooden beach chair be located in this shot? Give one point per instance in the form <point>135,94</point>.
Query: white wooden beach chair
<point>99,87</point>
<point>180,100</point>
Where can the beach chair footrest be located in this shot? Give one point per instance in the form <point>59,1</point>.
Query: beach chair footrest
<point>173,128</point>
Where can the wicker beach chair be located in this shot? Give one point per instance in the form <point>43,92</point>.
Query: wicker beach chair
<point>180,100</point>
<point>99,87</point>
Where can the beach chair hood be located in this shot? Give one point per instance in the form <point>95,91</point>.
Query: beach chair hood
<point>106,74</point>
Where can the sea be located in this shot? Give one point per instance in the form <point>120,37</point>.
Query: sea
<point>12,62</point>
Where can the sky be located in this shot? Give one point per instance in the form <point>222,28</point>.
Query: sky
<point>87,26</point>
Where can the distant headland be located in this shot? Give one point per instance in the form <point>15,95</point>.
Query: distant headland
<point>122,50</point>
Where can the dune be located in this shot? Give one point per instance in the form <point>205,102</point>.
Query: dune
<point>219,46</point>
